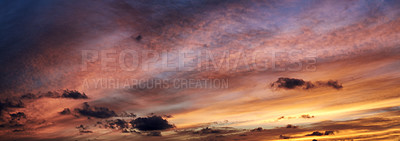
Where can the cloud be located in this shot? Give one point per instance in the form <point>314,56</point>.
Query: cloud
<point>49,94</point>
<point>117,124</point>
<point>28,96</point>
<point>284,137</point>
<point>293,83</point>
<point>14,120</point>
<point>18,116</point>
<point>288,83</point>
<point>18,130</point>
<point>73,94</point>
<point>66,111</point>
<point>151,123</point>
<point>213,131</point>
<point>257,129</point>
<point>10,103</point>
<point>316,133</point>
<point>97,112</point>
<point>334,84</point>
<point>83,129</point>
<point>154,133</point>
<point>291,126</point>
<point>125,114</point>
<point>306,116</point>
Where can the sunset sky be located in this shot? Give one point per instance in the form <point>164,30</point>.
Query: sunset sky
<point>200,70</point>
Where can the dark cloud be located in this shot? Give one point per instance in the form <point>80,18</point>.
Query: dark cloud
<point>329,133</point>
<point>18,130</point>
<point>97,112</point>
<point>18,116</point>
<point>49,94</point>
<point>306,116</point>
<point>14,120</point>
<point>10,103</point>
<point>156,133</point>
<point>257,129</point>
<point>288,83</point>
<point>291,126</point>
<point>167,116</point>
<point>292,83</point>
<point>125,114</point>
<point>66,111</point>
<point>74,94</point>
<point>83,129</point>
<point>138,38</point>
<point>16,102</point>
<point>316,133</point>
<point>117,124</point>
<point>284,137</point>
<point>28,96</point>
<point>334,84</point>
<point>208,130</point>
<point>151,123</point>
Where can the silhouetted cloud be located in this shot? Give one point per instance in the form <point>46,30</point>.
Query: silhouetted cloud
<point>83,129</point>
<point>49,94</point>
<point>208,130</point>
<point>125,114</point>
<point>28,96</point>
<point>117,124</point>
<point>66,111</point>
<point>10,103</point>
<point>288,83</point>
<point>292,83</point>
<point>98,112</point>
<point>334,84</point>
<point>306,116</point>
<point>74,94</point>
<point>329,133</point>
<point>257,129</point>
<point>18,116</point>
<point>291,126</point>
<point>139,37</point>
<point>15,120</point>
<point>316,133</point>
<point>151,123</point>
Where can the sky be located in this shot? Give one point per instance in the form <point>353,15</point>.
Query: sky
<point>199,70</point>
